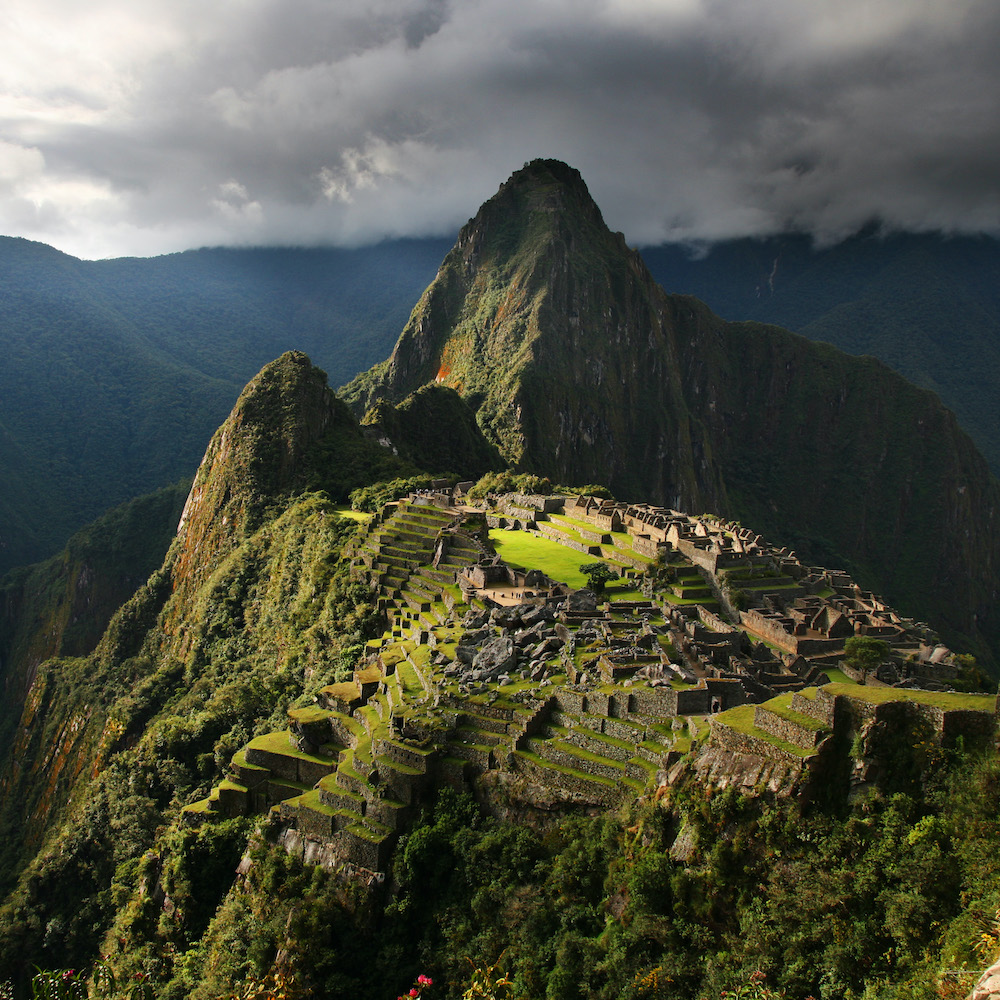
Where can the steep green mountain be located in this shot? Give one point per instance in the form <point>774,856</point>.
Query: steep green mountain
<point>116,372</point>
<point>927,305</point>
<point>580,367</point>
<point>687,891</point>
<point>62,606</point>
<point>250,609</point>
<point>435,429</point>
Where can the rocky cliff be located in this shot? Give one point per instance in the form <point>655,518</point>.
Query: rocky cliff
<point>578,366</point>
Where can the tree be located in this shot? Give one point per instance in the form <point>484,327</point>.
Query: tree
<point>598,574</point>
<point>864,654</point>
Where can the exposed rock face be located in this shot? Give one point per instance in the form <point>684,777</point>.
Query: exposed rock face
<point>580,367</point>
<point>494,658</point>
<point>258,453</point>
<point>988,987</point>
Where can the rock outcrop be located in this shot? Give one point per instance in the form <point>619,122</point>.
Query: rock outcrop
<point>579,367</point>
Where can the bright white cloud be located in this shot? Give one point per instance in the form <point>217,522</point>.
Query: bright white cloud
<point>159,125</point>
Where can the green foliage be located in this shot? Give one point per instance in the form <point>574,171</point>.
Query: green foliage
<point>100,982</point>
<point>510,482</point>
<point>280,606</point>
<point>374,496</point>
<point>590,490</point>
<point>117,372</point>
<point>436,429</point>
<point>865,653</point>
<point>971,677</point>
<point>598,574</point>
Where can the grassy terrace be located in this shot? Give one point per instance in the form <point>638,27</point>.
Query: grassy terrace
<point>411,683</point>
<point>709,602</point>
<point>575,524</point>
<point>597,779</point>
<point>352,515</point>
<point>280,743</point>
<point>936,699</point>
<point>741,719</point>
<point>523,550</point>
<point>782,706</point>
<point>527,551</point>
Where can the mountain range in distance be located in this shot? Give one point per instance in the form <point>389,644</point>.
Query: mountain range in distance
<point>543,344</point>
<point>119,369</point>
<point>116,372</point>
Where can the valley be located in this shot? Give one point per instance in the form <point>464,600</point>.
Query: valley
<point>398,696</point>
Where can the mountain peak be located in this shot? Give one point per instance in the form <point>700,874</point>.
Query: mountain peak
<point>514,275</point>
<point>259,452</point>
<point>550,176</point>
<point>543,196</point>
<point>579,367</point>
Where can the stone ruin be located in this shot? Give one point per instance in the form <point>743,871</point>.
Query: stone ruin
<point>504,679</point>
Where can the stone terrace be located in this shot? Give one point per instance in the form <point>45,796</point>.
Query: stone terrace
<point>585,702</point>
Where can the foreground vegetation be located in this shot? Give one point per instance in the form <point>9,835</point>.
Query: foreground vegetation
<point>686,893</point>
<point>887,897</point>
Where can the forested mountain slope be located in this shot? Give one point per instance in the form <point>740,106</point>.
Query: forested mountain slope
<point>115,373</point>
<point>687,892</point>
<point>578,366</point>
<point>926,305</point>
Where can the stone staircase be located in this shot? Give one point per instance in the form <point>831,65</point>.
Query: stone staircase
<point>399,551</point>
<point>600,758</point>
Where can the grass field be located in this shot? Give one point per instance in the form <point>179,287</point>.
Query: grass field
<point>353,515</point>
<point>526,551</point>
<point>878,695</point>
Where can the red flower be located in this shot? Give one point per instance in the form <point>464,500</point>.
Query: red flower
<point>425,981</point>
<point>414,992</point>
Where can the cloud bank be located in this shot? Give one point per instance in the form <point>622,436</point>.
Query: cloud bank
<point>154,126</point>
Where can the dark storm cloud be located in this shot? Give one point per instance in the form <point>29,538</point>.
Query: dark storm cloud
<point>257,121</point>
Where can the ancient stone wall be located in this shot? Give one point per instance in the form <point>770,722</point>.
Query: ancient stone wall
<point>785,729</point>
<point>770,630</point>
<point>694,701</point>
<point>727,738</point>
<point>658,701</point>
<point>819,708</point>
<point>590,791</point>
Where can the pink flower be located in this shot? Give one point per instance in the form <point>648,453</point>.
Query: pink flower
<point>425,981</point>
<point>414,992</point>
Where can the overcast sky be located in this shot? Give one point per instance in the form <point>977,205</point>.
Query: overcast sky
<point>146,126</point>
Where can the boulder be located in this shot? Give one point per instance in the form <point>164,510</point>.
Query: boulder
<point>582,600</point>
<point>496,657</point>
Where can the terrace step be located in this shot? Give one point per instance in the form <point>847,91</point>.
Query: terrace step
<point>276,752</point>
<point>589,787</point>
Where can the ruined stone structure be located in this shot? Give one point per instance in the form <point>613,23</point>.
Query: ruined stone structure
<point>491,670</point>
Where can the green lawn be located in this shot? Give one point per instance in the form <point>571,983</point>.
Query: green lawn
<point>836,675</point>
<point>878,695</point>
<point>280,743</point>
<point>527,551</point>
<point>352,515</point>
